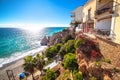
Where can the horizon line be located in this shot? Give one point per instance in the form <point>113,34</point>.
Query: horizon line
<point>32,25</point>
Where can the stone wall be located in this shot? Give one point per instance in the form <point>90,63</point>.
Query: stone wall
<point>110,50</point>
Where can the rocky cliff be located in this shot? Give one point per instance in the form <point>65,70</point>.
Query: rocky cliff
<point>44,41</point>
<point>102,67</point>
<point>55,38</point>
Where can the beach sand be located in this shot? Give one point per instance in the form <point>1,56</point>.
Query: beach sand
<point>15,66</point>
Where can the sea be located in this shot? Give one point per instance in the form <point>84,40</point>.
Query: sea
<point>16,43</point>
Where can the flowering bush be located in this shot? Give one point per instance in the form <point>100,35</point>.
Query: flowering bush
<point>93,53</point>
<point>87,46</point>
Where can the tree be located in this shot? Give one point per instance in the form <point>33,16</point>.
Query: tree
<point>75,24</point>
<point>29,65</point>
<point>51,52</point>
<point>50,75</point>
<point>58,46</point>
<point>70,46</point>
<point>70,61</point>
<point>78,42</point>
<point>66,38</point>
<point>67,48</point>
<point>39,62</point>
<point>62,51</point>
<point>78,75</point>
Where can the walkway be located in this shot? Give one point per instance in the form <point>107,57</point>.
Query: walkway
<point>51,65</point>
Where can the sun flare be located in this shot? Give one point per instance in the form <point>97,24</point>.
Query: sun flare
<point>33,29</point>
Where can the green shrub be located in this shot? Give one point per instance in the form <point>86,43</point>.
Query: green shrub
<point>78,42</point>
<point>70,46</point>
<point>66,38</point>
<point>65,75</point>
<point>93,78</point>
<point>50,75</point>
<point>107,61</point>
<point>58,46</point>
<point>116,70</point>
<point>51,52</point>
<point>78,76</point>
<point>62,51</point>
<point>70,61</point>
<point>98,63</point>
<point>67,48</point>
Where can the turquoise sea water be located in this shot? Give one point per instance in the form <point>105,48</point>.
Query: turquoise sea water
<point>16,43</point>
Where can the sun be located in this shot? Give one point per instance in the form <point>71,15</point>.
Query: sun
<point>32,27</point>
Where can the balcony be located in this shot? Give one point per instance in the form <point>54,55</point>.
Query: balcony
<point>107,8</point>
<point>103,33</point>
<point>72,16</point>
<point>98,12</point>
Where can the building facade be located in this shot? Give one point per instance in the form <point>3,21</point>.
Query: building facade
<point>88,16</point>
<point>76,14</point>
<point>101,17</point>
<point>116,22</point>
<point>77,18</point>
<point>107,17</point>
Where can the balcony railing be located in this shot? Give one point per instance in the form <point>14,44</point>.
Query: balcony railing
<point>72,15</point>
<point>108,7</point>
<point>102,33</point>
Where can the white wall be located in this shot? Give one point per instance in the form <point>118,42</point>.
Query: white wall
<point>79,28</point>
<point>78,14</point>
<point>104,24</point>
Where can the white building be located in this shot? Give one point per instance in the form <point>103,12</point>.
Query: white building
<point>77,17</point>
<point>77,14</point>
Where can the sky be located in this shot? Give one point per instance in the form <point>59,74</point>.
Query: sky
<point>14,13</point>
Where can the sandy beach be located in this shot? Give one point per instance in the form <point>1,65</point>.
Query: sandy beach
<point>15,66</point>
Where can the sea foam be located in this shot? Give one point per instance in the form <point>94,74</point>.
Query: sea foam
<point>20,55</point>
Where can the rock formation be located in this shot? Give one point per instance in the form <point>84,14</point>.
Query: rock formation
<point>57,37</point>
<point>44,41</point>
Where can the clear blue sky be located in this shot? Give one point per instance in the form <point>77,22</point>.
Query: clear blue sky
<point>37,11</point>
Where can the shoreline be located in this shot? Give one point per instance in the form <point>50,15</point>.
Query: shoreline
<point>16,66</point>
<point>9,64</point>
<point>15,58</point>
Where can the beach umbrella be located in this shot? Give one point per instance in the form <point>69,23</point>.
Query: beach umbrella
<point>22,75</point>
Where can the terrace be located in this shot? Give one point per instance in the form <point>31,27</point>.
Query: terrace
<point>103,33</point>
<point>104,8</point>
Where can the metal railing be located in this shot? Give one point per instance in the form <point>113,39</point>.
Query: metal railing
<point>72,15</point>
<point>108,7</point>
<point>103,33</point>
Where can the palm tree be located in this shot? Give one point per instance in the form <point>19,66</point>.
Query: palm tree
<point>39,62</point>
<point>29,65</point>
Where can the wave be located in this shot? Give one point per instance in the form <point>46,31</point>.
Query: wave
<point>20,55</point>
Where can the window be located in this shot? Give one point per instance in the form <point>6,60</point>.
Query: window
<point>89,14</point>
